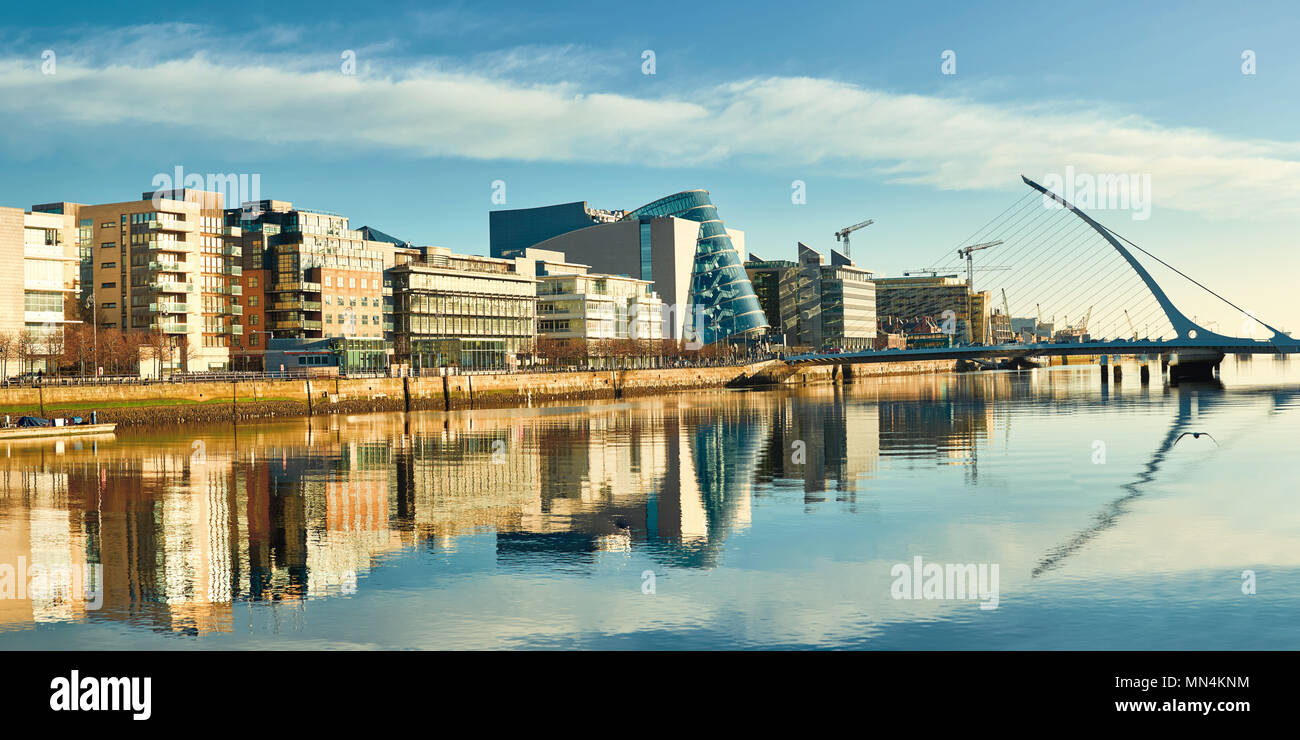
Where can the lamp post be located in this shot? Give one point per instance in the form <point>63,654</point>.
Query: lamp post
<point>94,322</point>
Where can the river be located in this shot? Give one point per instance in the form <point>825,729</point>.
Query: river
<point>803,518</point>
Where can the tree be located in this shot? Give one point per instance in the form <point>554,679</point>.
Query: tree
<point>152,345</point>
<point>29,343</point>
<point>190,353</point>
<point>52,347</point>
<point>120,351</point>
<point>8,351</point>
<point>79,347</point>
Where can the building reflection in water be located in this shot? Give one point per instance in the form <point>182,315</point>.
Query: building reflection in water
<point>185,530</point>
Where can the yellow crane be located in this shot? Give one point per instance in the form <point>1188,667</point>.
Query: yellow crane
<point>1130,325</point>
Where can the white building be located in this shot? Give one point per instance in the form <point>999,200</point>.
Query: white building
<point>593,309</point>
<point>50,271</point>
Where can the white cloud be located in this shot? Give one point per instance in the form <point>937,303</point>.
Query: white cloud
<point>487,112</point>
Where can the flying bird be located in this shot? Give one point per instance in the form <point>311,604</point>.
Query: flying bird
<point>1196,435</point>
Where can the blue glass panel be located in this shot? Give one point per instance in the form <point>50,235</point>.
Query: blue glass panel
<point>719,285</point>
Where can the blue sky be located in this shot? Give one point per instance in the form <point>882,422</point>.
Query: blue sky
<point>746,98</point>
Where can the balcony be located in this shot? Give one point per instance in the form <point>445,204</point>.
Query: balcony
<point>231,250</point>
<point>234,270</point>
<point>166,245</point>
<point>156,266</point>
<point>232,231</point>
<point>163,286</point>
<point>236,329</point>
<point>168,327</point>
<point>46,252</point>
<point>234,310</point>
<point>162,307</point>
<point>311,325</point>
<point>231,290</point>
<point>166,224</point>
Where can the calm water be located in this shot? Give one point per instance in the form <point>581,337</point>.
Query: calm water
<point>545,527</point>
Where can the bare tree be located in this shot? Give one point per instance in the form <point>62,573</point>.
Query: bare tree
<point>53,344</point>
<point>8,351</point>
<point>152,345</point>
<point>79,347</point>
<point>28,346</point>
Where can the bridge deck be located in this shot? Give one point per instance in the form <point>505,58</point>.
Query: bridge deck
<point>1112,347</point>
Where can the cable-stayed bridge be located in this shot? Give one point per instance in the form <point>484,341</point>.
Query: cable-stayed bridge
<point>1053,254</point>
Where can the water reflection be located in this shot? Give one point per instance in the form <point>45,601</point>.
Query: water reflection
<point>194,525</point>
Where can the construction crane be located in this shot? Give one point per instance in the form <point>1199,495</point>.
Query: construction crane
<point>1130,325</point>
<point>1084,326</point>
<point>843,234</point>
<point>965,253</point>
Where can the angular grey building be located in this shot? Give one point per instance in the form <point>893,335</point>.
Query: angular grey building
<point>819,306</point>
<point>678,242</point>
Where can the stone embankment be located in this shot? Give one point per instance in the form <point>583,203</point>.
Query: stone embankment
<point>159,404</point>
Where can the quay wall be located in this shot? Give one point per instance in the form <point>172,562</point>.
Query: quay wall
<point>179,403</point>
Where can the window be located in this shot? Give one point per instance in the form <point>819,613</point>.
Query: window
<point>252,283</point>
<point>108,245</point>
<point>252,300</point>
<point>108,285</point>
<point>108,265</point>
<point>252,340</point>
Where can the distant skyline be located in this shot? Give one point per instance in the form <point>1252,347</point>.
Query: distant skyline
<point>848,98</point>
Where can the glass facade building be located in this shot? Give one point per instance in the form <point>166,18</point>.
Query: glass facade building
<point>465,311</point>
<point>720,289</point>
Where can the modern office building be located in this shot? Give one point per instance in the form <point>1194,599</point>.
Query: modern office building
<point>593,314</point>
<point>159,266</point>
<point>818,306</point>
<point>37,301</point>
<point>328,356</point>
<point>765,276</point>
<point>514,231</point>
<point>309,276</point>
<point>679,243</point>
<point>910,298</point>
<point>464,311</point>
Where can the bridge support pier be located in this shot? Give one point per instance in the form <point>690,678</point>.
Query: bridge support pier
<point>1145,374</point>
<point>1105,374</point>
<point>1119,374</point>
<point>1194,365</point>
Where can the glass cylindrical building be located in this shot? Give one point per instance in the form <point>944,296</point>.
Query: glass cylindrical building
<point>720,289</point>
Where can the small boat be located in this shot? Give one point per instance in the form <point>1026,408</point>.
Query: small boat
<point>31,427</point>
